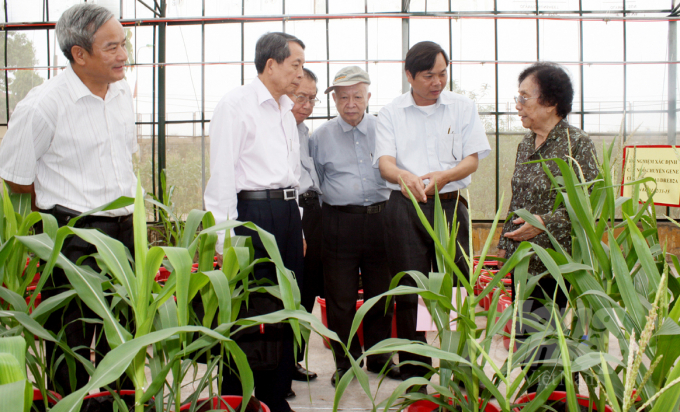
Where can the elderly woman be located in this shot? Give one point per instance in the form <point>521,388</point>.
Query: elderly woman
<point>544,101</point>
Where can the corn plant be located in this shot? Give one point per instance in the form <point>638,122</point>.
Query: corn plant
<point>16,392</point>
<point>162,315</point>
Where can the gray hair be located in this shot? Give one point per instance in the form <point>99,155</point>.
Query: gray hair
<point>77,26</point>
<point>273,46</point>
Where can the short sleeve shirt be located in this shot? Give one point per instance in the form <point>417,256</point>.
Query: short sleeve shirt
<point>424,141</point>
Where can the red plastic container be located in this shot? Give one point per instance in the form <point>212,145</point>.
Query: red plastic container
<point>222,402</point>
<point>506,339</point>
<point>559,396</point>
<point>52,399</point>
<point>429,406</point>
<point>360,331</point>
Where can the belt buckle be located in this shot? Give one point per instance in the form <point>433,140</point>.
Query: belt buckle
<point>372,209</point>
<point>289,194</point>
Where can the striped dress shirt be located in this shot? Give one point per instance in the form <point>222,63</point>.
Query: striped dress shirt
<point>75,147</point>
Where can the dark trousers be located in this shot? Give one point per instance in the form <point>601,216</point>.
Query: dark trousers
<point>533,309</point>
<point>281,218</point>
<point>410,247</point>
<point>79,333</point>
<point>354,243</point>
<point>313,271</point>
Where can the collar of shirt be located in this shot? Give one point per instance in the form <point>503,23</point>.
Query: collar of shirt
<point>407,100</point>
<point>362,126</point>
<point>554,134</point>
<point>302,128</point>
<point>264,95</point>
<point>78,89</point>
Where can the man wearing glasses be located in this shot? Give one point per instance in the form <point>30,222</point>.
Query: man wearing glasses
<point>354,197</point>
<point>308,200</point>
<point>428,136</point>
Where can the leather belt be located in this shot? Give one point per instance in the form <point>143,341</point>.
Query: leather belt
<point>362,210</point>
<point>64,214</point>
<point>451,196</point>
<point>308,196</point>
<point>284,194</point>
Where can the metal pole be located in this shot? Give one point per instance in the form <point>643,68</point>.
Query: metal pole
<point>405,86</point>
<point>672,80</point>
<point>203,108</point>
<point>161,97</point>
<point>583,107</point>
<point>498,136</point>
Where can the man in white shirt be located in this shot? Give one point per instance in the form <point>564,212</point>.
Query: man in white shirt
<point>70,143</point>
<point>426,136</point>
<point>254,176</point>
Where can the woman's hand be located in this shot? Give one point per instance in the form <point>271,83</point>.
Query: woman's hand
<point>526,231</point>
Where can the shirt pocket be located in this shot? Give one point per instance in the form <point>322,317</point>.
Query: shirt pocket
<point>449,149</point>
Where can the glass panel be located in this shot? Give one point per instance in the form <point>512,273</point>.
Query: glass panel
<point>603,88</point>
<point>507,84</point>
<point>603,41</point>
<point>216,36</point>
<point>479,47</point>
<point>219,79</point>
<point>127,9</point>
<point>223,7</point>
<point>184,44</point>
<point>183,161</point>
<point>476,82</point>
<point>304,7</point>
<point>261,8</point>
<point>603,5</point>
<point>417,6</point>
<point>29,10</point>
<point>646,89</point>
<point>385,84</point>
<point>597,124</point>
<point>347,40</point>
<point>482,190</point>
<point>313,34</point>
<point>436,30</point>
<point>559,40</point>
<point>472,5</point>
<point>378,49</point>
<point>508,154</point>
<point>647,41</point>
<point>21,52</point>
<point>183,91</point>
<point>517,5</point>
<point>182,8</point>
<point>319,70</point>
<point>554,5</point>
<point>375,6</point>
<point>516,40</point>
<point>434,6</point>
<point>648,5</point>
<point>252,32</point>
<point>346,6</point>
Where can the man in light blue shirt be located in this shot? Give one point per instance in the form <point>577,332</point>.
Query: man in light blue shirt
<point>354,196</point>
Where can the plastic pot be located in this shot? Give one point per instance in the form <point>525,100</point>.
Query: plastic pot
<point>222,402</point>
<point>559,396</point>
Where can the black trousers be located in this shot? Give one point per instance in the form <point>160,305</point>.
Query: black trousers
<point>410,247</point>
<point>281,218</point>
<point>77,332</point>
<point>354,243</point>
<point>313,271</point>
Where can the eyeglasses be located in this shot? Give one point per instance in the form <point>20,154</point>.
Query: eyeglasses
<point>523,100</point>
<point>304,99</point>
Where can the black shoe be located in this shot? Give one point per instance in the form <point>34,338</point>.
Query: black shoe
<point>393,371</point>
<point>290,394</point>
<point>302,374</point>
<point>339,373</point>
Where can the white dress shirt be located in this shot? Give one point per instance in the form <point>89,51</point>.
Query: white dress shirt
<point>254,145</point>
<point>431,139</point>
<point>73,146</point>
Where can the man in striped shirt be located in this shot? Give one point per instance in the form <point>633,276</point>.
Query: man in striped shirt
<point>70,144</point>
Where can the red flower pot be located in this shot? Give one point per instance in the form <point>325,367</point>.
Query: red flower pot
<point>360,331</point>
<point>222,402</point>
<point>559,396</point>
<point>52,397</point>
<point>429,406</point>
